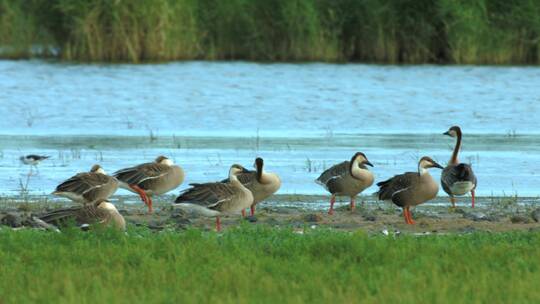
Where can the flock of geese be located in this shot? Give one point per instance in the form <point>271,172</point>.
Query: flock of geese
<point>246,188</point>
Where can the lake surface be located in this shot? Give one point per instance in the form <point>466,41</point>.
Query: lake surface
<point>301,118</point>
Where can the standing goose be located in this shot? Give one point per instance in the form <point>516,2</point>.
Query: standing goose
<point>158,177</point>
<point>261,184</point>
<point>457,178</point>
<point>215,199</point>
<point>347,178</point>
<point>88,187</point>
<point>411,188</point>
<point>101,212</point>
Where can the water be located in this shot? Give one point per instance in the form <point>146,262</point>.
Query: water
<point>301,118</point>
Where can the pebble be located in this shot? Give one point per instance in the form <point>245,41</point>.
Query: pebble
<point>519,219</point>
<point>313,218</point>
<point>536,215</point>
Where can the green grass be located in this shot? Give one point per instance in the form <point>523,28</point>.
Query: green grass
<point>384,31</point>
<point>263,265</point>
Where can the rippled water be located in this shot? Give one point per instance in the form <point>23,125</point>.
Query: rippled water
<point>301,118</point>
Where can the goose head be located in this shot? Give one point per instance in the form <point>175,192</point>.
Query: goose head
<point>164,160</point>
<point>454,131</point>
<point>97,169</point>
<point>236,170</point>
<point>360,159</point>
<point>427,162</point>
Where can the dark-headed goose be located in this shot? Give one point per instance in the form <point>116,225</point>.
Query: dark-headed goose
<point>262,184</point>
<point>411,188</point>
<point>88,187</point>
<point>457,178</point>
<point>158,177</point>
<point>347,178</point>
<point>215,199</point>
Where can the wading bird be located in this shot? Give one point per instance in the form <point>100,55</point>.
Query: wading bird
<point>88,187</point>
<point>158,177</point>
<point>411,188</point>
<point>457,178</point>
<point>261,184</point>
<point>215,199</point>
<point>33,160</point>
<point>348,178</point>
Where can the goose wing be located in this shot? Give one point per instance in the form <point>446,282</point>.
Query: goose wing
<point>397,186</point>
<point>80,215</point>
<point>331,177</point>
<point>83,183</point>
<point>209,195</point>
<point>138,174</point>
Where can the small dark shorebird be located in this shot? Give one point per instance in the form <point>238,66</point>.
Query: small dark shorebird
<point>33,160</point>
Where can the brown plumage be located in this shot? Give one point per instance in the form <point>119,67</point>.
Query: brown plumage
<point>88,187</point>
<point>411,188</point>
<point>99,213</point>
<point>261,184</point>
<point>158,177</point>
<point>457,178</point>
<point>348,178</point>
<point>214,199</point>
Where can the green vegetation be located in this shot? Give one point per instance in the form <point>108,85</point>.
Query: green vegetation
<point>254,265</point>
<point>385,31</point>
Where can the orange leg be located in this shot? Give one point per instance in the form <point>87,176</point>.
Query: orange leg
<point>332,201</point>
<point>352,204</point>
<point>252,213</point>
<point>243,212</point>
<point>143,196</point>
<point>150,203</point>
<point>406,216</point>
<point>472,193</point>
<point>409,215</point>
<point>218,224</point>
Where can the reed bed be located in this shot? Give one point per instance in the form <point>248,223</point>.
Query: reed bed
<point>382,31</point>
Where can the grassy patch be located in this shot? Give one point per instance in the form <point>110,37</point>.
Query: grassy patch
<point>250,264</point>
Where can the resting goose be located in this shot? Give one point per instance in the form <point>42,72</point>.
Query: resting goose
<point>88,187</point>
<point>102,213</point>
<point>261,184</point>
<point>347,178</point>
<point>411,188</point>
<point>215,199</point>
<point>457,178</point>
<point>158,177</point>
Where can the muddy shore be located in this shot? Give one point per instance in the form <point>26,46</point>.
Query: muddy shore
<point>298,212</point>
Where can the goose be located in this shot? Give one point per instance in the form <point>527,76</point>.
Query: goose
<point>457,178</point>
<point>88,187</point>
<point>411,188</point>
<point>215,199</point>
<point>158,177</point>
<point>261,184</point>
<point>101,212</point>
<point>347,178</point>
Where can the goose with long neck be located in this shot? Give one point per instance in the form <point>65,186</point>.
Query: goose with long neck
<point>88,187</point>
<point>411,188</point>
<point>101,212</point>
<point>458,178</point>
<point>158,177</point>
<point>261,183</point>
<point>348,178</point>
<point>216,199</point>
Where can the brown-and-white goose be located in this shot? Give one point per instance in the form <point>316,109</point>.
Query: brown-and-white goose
<point>88,187</point>
<point>262,184</point>
<point>347,178</point>
<point>158,177</point>
<point>411,188</point>
<point>457,178</point>
<point>99,213</point>
<point>215,199</point>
